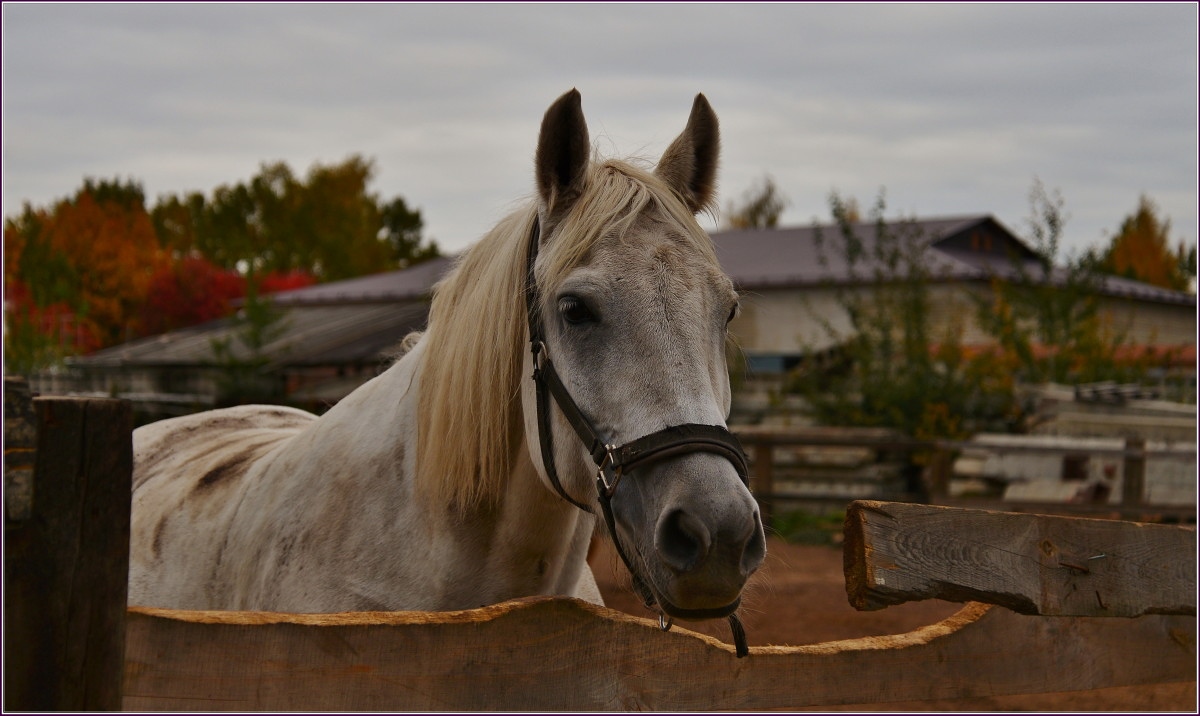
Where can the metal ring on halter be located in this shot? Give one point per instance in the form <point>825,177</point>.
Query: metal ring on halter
<point>664,622</point>
<point>609,459</point>
<point>541,354</point>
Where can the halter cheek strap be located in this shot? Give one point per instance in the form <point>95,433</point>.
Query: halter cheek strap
<point>614,461</point>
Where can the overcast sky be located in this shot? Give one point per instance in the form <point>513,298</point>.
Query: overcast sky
<point>949,109</point>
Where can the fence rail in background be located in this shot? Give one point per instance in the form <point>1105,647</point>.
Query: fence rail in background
<point>778,468</point>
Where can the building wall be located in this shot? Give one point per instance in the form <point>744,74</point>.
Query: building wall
<point>796,321</point>
<point>793,321</point>
<point>1146,323</point>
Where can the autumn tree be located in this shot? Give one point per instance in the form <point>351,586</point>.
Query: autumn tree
<point>189,291</point>
<point>1046,314</point>
<point>97,268</point>
<point>327,224</point>
<point>759,208</point>
<point>177,219</point>
<point>402,232</point>
<point>88,260</point>
<point>1141,250</point>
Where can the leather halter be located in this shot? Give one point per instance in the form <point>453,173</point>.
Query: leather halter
<point>614,461</point>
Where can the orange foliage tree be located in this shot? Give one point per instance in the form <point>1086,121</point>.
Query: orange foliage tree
<point>98,269</point>
<point>113,251</point>
<point>326,224</point>
<point>76,275</point>
<point>1141,250</point>
<point>193,290</point>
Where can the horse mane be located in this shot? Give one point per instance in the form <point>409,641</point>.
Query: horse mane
<point>470,426</point>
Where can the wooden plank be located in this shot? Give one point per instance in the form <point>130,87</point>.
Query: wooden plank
<point>1033,564</point>
<point>881,439</point>
<point>66,566</point>
<point>556,654</point>
<point>1139,513</point>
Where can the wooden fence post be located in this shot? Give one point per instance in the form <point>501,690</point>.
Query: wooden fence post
<point>940,470</point>
<point>66,557</point>
<point>764,480</point>
<point>1133,483</point>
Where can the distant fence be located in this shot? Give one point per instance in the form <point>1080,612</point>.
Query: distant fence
<point>821,466</point>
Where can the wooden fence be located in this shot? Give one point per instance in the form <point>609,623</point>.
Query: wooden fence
<point>525,654</point>
<point>880,463</point>
<point>555,654</point>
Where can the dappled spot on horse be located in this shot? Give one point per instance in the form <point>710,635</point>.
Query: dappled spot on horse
<point>453,480</point>
<point>228,469</point>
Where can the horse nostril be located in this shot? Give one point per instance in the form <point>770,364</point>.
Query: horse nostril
<point>682,541</point>
<point>755,551</point>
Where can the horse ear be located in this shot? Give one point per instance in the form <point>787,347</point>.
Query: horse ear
<point>689,165</point>
<point>562,154</point>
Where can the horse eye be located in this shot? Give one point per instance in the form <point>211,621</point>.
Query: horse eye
<point>733,312</point>
<point>575,311</point>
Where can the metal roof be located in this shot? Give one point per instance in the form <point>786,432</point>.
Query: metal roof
<point>389,287</point>
<point>805,256</point>
<point>779,257</point>
<point>304,336</point>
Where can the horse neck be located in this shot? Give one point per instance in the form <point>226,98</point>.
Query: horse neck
<point>526,541</point>
<point>361,449</point>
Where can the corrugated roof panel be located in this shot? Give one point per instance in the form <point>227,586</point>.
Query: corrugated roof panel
<point>308,335</point>
<point>405,285</point>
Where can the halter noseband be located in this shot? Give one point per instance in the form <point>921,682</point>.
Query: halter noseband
<point>613,461</point>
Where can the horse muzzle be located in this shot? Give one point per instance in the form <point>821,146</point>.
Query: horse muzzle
<point>702,554</point>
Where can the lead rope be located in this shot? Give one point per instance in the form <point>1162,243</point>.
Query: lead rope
<point>739,635</point>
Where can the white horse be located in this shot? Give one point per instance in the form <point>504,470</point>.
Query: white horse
<point>437,485</point>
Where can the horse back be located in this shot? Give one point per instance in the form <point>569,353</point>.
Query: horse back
<point>189,477</point>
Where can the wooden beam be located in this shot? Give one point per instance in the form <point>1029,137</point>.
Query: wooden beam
<point>1032,564</point>
<point>66,560</point>
<point>557,654</point>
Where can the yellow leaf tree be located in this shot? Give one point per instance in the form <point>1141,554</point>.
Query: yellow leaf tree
<point>1141,250</point>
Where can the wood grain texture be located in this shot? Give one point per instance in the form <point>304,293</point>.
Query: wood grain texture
<point>66,566</point>
<point>1032,564</point>
<point>556,654</point>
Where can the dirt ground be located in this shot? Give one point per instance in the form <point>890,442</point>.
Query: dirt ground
<point>799,597</point>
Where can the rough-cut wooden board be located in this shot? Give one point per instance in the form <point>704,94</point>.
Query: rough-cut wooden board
<point>66,561</point>
<point>564,655</point>
<point>1033,564</point>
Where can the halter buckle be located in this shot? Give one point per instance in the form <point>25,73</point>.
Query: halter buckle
<point>540,355</point>
<point>602,473</point>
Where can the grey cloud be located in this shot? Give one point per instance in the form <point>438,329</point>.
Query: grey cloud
<point>952,108</point>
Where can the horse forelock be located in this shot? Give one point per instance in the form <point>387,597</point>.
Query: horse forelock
<point>617,193</point>
<point>470,425</point>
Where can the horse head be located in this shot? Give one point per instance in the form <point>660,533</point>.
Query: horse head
<point>628,313</point>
